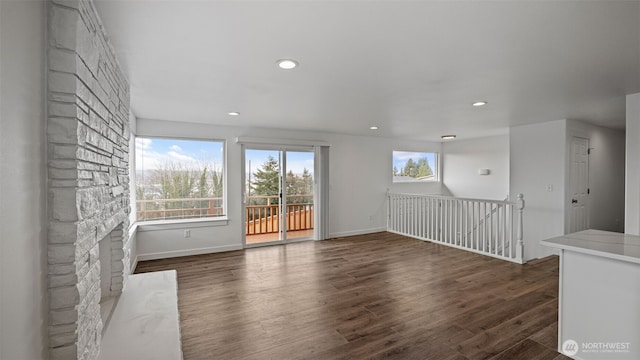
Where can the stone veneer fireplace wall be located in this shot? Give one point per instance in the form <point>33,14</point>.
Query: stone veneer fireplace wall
<point>88,170</point>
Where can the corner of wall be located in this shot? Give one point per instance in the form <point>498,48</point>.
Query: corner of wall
<point>632,168</point>
<point>537,149</point>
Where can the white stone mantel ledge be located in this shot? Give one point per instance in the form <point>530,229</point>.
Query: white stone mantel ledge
<point>145,324</point>
<point>622,247</point>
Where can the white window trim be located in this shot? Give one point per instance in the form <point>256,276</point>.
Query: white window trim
<point>155,225</point>
<point>437,178</point>
<point>279,142</point>
<point>222,220</point>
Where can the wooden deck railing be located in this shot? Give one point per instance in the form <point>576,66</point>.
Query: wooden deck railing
<point>262,212</point>
<point>172,209</point>
<point>262,219</point>
<point>265,218</point>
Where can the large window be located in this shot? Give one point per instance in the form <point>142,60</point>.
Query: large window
<point>179,179</point>
<point>411,166</point>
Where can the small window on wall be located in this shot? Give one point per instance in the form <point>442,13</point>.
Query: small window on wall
<point>411,166</point>
<point>179,179</point>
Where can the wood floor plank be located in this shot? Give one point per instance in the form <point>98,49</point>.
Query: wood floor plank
<point>499,338</point>
<point>496,315</point>
<point>375,296</point>
<point>547,336</point>
<point>527,349</point>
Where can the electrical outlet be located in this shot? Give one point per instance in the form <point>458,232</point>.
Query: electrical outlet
<point>187,233</point>
<point>549,187</point>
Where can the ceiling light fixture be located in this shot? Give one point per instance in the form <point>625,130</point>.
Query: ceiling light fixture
<point>373,128</point>
<point>448,137</point>
<point>287,64</point>
<point>233,113</point>
<point>479,103</point>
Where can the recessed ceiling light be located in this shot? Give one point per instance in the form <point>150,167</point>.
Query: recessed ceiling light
<point>479,103</point>
<point>287,64</point>
<point>448,137</point>
<point>373,128</point>
<point>233,113</point>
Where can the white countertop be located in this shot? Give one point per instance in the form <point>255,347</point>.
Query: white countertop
<point>607,244</point>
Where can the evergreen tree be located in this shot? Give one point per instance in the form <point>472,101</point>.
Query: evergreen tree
<point>415,169</point>
<point>202,183</point>
<point>423,168</point>
<point>266,180</point>
<point>307,181</point>
<point>410,168</point>
<point>299,185</point>
<point>217,179</point>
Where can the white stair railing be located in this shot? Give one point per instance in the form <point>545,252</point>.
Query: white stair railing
<point>488,227</point>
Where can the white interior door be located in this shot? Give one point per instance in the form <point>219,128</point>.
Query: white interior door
<point>579,185</point>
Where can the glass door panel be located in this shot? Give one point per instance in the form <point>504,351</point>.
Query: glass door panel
<point>263,200</point>
<point>299,198</point>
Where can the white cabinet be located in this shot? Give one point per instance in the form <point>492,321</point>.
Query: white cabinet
<point>599,295</point>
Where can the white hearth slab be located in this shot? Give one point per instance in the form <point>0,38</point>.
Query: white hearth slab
<point>145,323</point>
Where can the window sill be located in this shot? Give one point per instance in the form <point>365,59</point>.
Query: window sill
<point>417,182</point>
<point>181,224</point>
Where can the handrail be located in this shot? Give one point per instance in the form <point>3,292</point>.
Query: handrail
<point>506,201</point>
<point>489,227</point>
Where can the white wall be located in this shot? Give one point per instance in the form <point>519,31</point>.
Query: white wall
<point>606,175</point>
<point>463,158</point>
<point>632,187</point>
<point>22,181</point>
<point>537,161</point>
<point>360,174</point>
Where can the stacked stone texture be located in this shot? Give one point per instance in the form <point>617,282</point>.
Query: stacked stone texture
<point>88,151</point>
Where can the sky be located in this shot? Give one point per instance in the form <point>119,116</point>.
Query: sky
<point>154,153</point>
<point>157,152</point>
<point>296,161</point>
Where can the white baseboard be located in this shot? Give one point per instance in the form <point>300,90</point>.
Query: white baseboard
<point>210,250</point>
<point>179,253</point>
<point>357,232</point>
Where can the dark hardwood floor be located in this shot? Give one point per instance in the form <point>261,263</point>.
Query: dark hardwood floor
<point>377,296</point>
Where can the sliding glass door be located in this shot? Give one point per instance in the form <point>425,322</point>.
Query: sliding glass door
<point>279,195</point>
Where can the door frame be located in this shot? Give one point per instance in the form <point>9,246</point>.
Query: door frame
<point>282,149</point>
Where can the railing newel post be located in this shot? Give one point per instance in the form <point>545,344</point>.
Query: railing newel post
<point>520,234</point>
